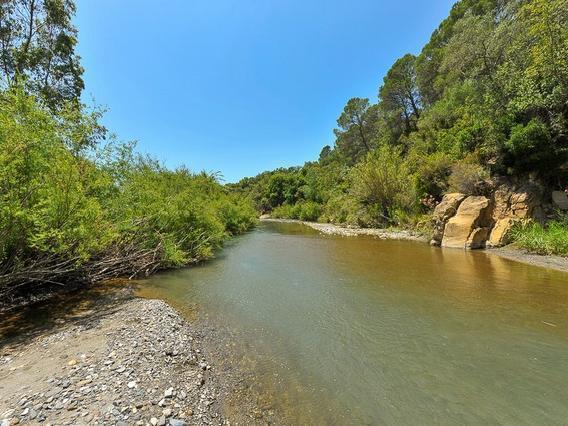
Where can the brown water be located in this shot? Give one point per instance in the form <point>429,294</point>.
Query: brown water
<point>359,330</point>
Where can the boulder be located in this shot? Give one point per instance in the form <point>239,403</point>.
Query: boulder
<point>443,212</point>
<point>500,235</point>
<point>473,212</point>
<point>560,200</point>
<point>477,238</point>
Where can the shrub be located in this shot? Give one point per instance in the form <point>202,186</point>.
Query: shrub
<point>530,147</point>
<point>468,178</point>
<point>382,184</point>
<point>74,211</point>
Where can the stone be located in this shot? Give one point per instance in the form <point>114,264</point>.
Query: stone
<point>446,209</point>
<point>162,421</point>
<point>560,200</point>
<point>500,235</point>
<point>131,385</point>
<point>477,238</point>
<point>177,422</point>
<point>153,421</point>
<point>167,412</point>
<point>168,393</point>
<point>473,212</point>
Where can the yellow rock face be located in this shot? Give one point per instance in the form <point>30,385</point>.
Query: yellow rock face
<point>499,234</point>
<point>473,212</point>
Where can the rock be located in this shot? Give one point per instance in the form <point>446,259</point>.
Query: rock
<point>473,212</point>
<point>500,235</point>
<point>443,212</point>
<point>162,421</point>
<point>168,393</point>
<point>167,412</point>
<point>560,199</point>
<point>177,422</point>
<point>153,421</point>
<point>477,238</point>
<point>32,414</point>
<point>131,385</point>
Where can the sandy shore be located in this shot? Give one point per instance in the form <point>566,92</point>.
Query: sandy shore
<point>113,359</point>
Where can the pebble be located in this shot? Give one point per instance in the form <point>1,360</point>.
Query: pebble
<point>164,387</point>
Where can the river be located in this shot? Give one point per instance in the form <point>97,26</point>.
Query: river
<point>358,330</point>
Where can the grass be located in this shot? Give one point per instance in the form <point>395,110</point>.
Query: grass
<point>547,240</point>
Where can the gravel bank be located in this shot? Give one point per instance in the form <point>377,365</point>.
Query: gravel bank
<point>330,229</point>
<point>121,361</point>
<point>557,263</point>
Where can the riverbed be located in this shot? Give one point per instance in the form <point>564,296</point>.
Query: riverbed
<point>342,330</point>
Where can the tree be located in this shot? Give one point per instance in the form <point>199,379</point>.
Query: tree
<point>37,49</point>
<point>355,136</point>
<point>399,93</point>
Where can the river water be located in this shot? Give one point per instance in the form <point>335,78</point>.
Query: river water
<point>365,331</point>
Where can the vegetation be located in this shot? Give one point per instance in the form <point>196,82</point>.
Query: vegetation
<point>487,96</point>
<point>76,205</point>
<point>74,209</point>
<point>548,239</point>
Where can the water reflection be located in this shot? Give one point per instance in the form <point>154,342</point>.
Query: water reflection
<point>358,330</point>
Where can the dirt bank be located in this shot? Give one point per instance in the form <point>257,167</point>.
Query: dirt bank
<point>114,359</point>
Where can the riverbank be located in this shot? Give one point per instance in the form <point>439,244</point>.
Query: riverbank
<point>351,231</point>
<point>510,252</point>
<point>113,359</point>
<point>557,263</point>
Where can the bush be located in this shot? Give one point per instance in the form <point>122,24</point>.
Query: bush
<point>468,178</point>
<point>74,211</point>
<point>382,184</point>
<point>309,211</point>
<point>530,147</point>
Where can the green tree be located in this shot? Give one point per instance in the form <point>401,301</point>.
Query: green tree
<point>399,94</point>
<point>355,135</point>
<point>37,47</point>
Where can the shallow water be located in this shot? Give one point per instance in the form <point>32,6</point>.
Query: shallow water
<point>358,330</point>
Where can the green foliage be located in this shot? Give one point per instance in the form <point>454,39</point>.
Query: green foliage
<point>306,210</point>
<point>487,96</point>
<point>383,184</point>
<point>66,198</point>
<point>528,147</point>
<point>355,136</point>
<point>547,240</point>
<point>37,47</point>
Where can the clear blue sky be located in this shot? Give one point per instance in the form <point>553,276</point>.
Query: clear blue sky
<point>241,86</point>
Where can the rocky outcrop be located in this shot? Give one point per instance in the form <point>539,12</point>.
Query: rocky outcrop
<point>469,227</point>
<point>446,209</point>
<point>472,222</point>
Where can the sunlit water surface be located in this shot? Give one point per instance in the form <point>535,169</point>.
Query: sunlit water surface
<point>359,330</point>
